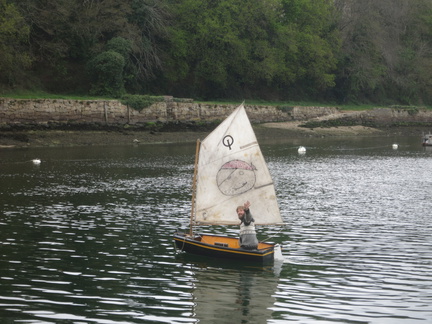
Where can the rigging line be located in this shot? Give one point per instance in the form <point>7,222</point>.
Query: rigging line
<point>182,248</point>
<point>272,236</point>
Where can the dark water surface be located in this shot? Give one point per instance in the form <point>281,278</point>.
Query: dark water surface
<point>85,237</point>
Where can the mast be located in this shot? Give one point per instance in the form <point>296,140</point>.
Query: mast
<point>194,181</point>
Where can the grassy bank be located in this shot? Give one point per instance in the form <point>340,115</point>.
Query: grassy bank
<point>45,95</point>
<point>350,107</point>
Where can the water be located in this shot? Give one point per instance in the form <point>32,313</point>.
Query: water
<point>86,237</point>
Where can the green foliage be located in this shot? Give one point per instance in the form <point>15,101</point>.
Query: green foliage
<point>119,45</point>
<point>106,70</point>
<point>66,34</point>
<point>385,53</point>
<point>14,47</point>
<point>313,42</point>
<point>148,19</point>
<point>25,94</point>
<point>233,48</point>
<point>138,102</point>
<point>276,50</point>
<point>412,110</point>
<point>286,109</point>
<point>124,47</point>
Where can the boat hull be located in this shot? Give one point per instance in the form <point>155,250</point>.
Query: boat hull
<point>427,140</point>
<point>217,246</point>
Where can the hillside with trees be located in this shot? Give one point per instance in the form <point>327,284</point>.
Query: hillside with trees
<point>341,51</point>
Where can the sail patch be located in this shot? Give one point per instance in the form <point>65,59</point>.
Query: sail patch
<point>236,177</point>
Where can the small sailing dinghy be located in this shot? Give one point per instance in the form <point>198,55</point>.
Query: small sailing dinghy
<point>229,170</point>
<point>427,140</point>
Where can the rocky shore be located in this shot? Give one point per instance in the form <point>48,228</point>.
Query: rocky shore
<point>33,123</point>
<point>45,138</point>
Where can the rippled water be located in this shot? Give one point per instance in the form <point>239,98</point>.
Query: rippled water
<point>86,237</point>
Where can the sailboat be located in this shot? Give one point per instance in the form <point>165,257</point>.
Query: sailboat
<point>427,139</point>
<point>229,170</point>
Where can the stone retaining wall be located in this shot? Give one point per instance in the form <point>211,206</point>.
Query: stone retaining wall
<point>24,111</point>
<point>112,112</point>
<point>388,116</point>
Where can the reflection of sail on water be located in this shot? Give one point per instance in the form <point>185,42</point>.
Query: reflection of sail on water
<point>232,170</point>
<point>235,296</point>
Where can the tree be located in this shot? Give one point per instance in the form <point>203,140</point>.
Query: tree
<point>245,48</point>
<point>386,45</point>
<point>111,69</point>
<point>313,44</point>
<point>106,71</point>
<point>412,80</point>
<point>149,19</point>
<point>66,35</point>
<point>14,49</point>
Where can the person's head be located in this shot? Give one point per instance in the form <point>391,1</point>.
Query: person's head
<point>240,211</point>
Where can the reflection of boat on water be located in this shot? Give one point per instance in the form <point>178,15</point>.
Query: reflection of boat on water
<point>198,261</point>
<point>233,295</point>
<point>229,170</point>
<point>427,140</point>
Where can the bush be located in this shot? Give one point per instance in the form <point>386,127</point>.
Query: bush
<point>139,102</point>
<point>106,70</point>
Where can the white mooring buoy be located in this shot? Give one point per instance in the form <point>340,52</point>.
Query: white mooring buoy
<point>301,150</point>
<point>395,146</point>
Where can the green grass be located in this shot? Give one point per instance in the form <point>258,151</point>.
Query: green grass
<point>292,104</point>
<point>44,95</point>
<point>346,107</point>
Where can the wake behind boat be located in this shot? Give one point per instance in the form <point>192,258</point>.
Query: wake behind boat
<point>230,169</point>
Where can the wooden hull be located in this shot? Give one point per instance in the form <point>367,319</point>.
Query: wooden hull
<point>224,247</point>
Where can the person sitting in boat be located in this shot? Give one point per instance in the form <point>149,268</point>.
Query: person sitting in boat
<point>248,239</point>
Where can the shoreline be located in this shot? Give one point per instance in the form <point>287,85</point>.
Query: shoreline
<point>267,131</point>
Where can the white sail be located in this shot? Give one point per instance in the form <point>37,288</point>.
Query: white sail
<point>231,171</point>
